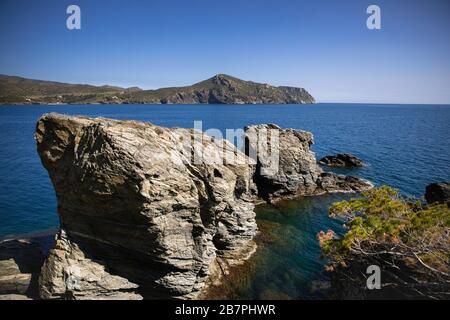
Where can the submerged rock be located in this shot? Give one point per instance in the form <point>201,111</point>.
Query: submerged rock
<point>342,160</point>
<point>438,192</point>
<point>286,167</point>
<point>139,218</point>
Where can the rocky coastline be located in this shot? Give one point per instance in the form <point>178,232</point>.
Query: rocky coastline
<point>145,213</point>
<point>220,89</point>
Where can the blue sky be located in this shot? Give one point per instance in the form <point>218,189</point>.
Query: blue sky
<point>321,45</point>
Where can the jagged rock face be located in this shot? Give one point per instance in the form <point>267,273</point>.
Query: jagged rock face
<point>286,167</point>
<point>140,217</point>
<point>438,192</point>
<point>152,212</point>
<point>341,160</point>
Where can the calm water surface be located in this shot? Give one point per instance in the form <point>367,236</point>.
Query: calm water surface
<point>406,146</point>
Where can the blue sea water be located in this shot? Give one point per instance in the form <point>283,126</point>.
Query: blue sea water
<point>406,146</point>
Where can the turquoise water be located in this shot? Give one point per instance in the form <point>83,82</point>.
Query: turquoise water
<point>406,146</point>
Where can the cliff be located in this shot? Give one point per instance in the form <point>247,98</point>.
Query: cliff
<point>151,212</point>
<point>220,89</point>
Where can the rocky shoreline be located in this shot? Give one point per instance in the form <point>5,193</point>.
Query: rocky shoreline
<point>220,89</point>
<point>146,214</point>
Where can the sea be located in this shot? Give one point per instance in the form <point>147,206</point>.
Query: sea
<point>404,146</point>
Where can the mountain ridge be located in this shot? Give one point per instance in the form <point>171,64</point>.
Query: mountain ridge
<point>219,89</point>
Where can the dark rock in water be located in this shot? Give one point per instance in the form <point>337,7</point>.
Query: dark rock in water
<point>139,218</point>
<point>343,160</point>
<point>331,182</point>
<point>20,264</point>
<point>286,167</point>
<point>438,192</point>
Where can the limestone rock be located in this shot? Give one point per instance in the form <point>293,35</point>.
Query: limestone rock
<point>343,160</point>
<point>286,167</point>
<point>141,216</point>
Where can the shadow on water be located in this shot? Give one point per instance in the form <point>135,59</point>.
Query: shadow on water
<point>288,263</point>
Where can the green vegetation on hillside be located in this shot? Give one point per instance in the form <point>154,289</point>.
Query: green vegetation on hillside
<point>218,89</point>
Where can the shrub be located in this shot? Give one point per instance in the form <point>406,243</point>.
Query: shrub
<point>410,240</point>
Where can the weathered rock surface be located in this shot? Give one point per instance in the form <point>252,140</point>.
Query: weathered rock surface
<point>151,212</point>
<point>139,218</point>
<point>293,170</point>
<point>20,264</point>
<point>438,192</point>
<point>342,160</point>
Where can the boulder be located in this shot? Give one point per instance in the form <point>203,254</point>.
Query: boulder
<point>148,212</point>
<point>341,160</point>
<point>143,213</point>
<point>330,182</point>
<point>438,192</point>
<point>286,166</point>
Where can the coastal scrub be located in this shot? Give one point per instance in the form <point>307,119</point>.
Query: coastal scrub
<point>408,240</point>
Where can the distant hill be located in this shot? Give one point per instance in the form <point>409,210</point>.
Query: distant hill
<point>220,89</point>
<point>22,90</point>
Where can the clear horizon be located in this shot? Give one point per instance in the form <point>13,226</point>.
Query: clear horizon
<point>323,46</point>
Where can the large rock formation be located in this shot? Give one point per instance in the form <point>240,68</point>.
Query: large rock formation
<point>286,167</point>
<point>152,212</point>
<point>142,215</point>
